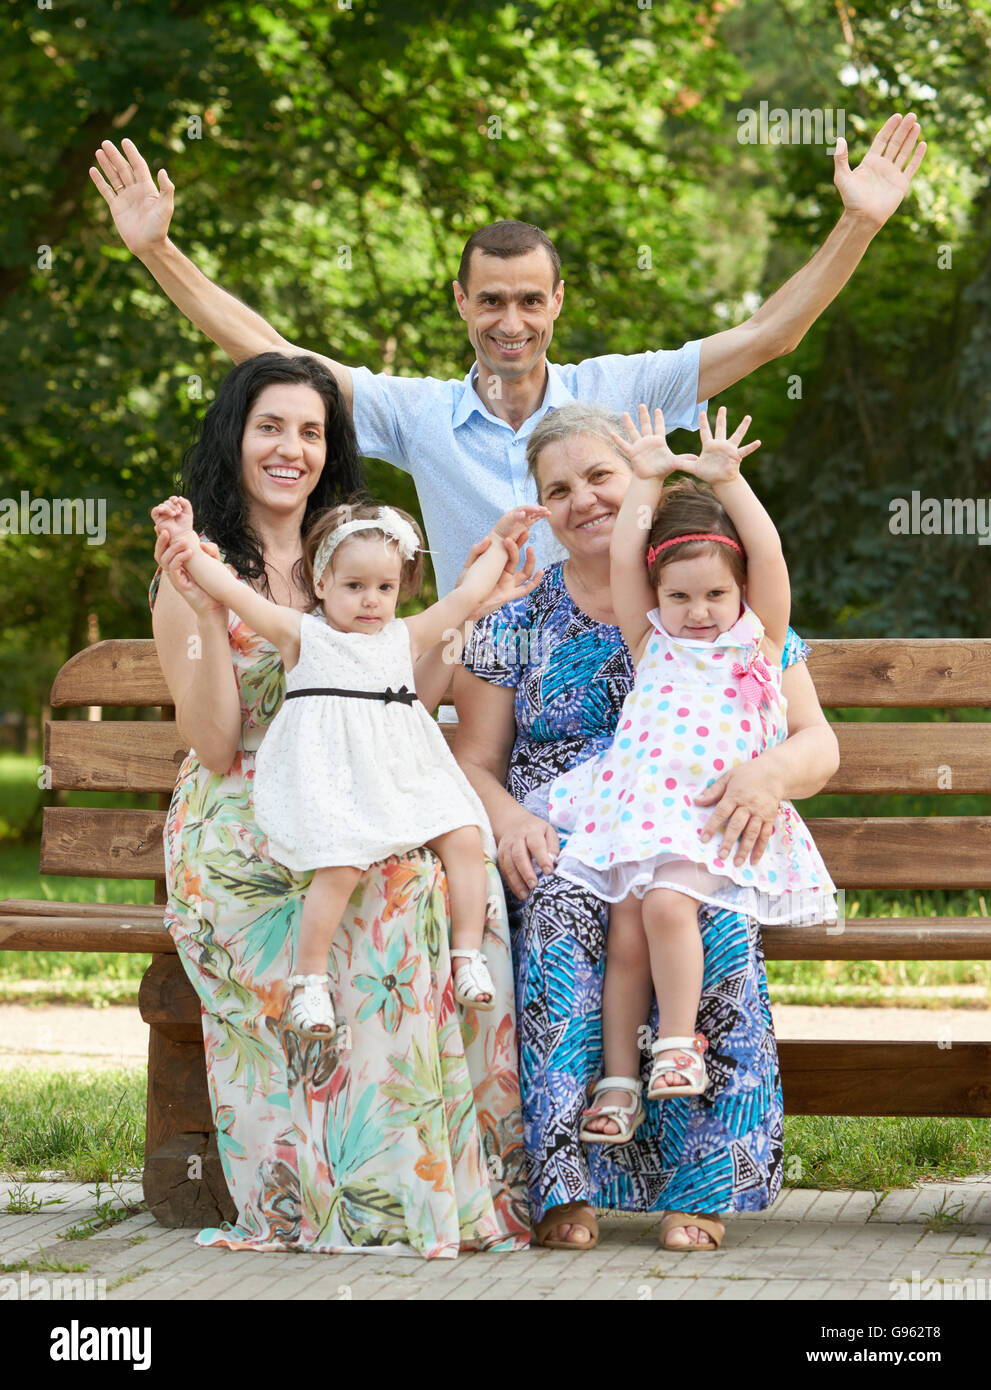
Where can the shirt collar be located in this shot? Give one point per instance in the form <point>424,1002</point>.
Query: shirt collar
<point>555,394</point>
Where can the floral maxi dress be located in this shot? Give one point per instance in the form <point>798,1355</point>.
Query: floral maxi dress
<point>411,1143</point>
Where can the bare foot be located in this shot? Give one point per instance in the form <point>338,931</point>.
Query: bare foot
<point>685,1237</point>
<point>569,1231</point>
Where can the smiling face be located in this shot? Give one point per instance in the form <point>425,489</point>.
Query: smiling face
<point>510,307</point>
<point>582,481</point>
<point>359,588</point>
<point>698,598</point>
<point>283,448</point>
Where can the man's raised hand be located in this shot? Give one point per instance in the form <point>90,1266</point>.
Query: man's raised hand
<point>141,210</point>
<point>878,184</point>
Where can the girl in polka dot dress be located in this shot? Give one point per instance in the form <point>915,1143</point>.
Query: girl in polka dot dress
<point>705,620</point>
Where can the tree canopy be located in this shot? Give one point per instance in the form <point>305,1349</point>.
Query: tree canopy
<point>332,156</point>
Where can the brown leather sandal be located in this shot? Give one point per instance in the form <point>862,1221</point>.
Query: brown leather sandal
<point>713,1226</point>
<point>568,1214</point>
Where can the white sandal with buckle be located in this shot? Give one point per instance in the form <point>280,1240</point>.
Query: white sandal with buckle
<point>311,1009</point>
<point>627,1117</point>
<point>688,1064</point>
<point>473,980</point>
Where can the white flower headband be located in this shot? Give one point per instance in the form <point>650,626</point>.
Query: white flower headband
<point>388,521</point>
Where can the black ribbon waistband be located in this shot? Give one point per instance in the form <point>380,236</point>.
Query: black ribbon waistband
<point>401,696</point>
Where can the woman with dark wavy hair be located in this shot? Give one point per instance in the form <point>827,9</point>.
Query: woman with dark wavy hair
<point>412,1136</point>
<point>211,473</point>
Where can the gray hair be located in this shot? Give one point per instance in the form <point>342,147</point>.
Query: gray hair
<point>565,423</point>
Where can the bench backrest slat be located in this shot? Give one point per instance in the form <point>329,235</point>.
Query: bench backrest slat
<point>901,672</point>
<point>113,755</point>
<point>120,671</point>
<point>868,852</point>
<point>875,759</point>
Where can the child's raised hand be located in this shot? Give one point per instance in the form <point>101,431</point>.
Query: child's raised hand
<point>515,524</point>
<point>513,583</point>
<point>174,516</point>
<point>719,461</point>
<point>647,450</point>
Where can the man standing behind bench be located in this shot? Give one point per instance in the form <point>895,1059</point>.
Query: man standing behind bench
<point>464,442</point>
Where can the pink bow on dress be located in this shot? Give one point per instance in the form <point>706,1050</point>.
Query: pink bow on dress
<point>755,681</point>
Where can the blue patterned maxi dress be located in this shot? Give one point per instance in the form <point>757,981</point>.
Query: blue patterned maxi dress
<point>721,1151</point>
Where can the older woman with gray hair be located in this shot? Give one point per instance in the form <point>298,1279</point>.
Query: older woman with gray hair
<point>543,682</point>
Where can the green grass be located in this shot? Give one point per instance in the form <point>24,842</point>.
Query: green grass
<point>91,1125</point>
<point>87,1124</point>
<point>874,1154</point>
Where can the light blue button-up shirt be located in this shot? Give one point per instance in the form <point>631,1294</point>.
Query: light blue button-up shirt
<point>469,466</point>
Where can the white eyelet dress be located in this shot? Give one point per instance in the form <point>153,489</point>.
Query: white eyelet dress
<point>345,780</point>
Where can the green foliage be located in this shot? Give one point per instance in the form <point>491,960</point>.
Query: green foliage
<point>331,162</point>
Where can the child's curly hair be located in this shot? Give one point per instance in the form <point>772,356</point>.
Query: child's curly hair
<point>687,507</point>
<point>360,509</point>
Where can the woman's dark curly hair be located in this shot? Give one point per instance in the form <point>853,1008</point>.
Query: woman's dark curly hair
<point>211,468</point>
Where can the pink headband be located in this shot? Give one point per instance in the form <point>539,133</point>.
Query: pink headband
<point>655,550</point>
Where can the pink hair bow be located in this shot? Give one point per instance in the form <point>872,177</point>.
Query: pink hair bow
<point>755,681</point>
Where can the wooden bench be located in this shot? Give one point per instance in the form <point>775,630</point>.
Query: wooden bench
<point>819,1078</point>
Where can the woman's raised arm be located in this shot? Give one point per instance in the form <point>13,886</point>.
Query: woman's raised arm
<point>191,640</point>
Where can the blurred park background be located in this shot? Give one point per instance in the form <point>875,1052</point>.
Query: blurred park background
<point>332,156</point>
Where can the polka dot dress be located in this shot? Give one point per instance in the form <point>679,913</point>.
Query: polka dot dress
<point>343,781</point>
<point>696,710</point>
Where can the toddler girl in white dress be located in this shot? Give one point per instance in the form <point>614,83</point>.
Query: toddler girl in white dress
<point>353,768</point>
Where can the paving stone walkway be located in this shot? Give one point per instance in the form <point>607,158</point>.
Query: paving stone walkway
<point>809,1246</point>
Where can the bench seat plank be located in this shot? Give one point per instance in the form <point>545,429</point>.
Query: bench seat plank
<point>55,926</point>
<point>885,1078</point>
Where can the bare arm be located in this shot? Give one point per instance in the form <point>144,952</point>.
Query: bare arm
<point>810,755</point>
<point>434,670</point>
<point>276,624</point>
<point>142,212</point>
<point>768,586</point>
<point>632,595</point>
<point>191,640</point>
<point>870,194</point>
<point>651,460</point>
<point>477,583</point>
<point>484,741</point>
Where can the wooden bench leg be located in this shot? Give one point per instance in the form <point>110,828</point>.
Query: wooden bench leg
<point>183,1179</point>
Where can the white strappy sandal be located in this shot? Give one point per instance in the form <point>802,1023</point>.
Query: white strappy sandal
<point>627,1117</point>
<point>472,980</point>
<point>687,1063</point>
<point>311,1009</point>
